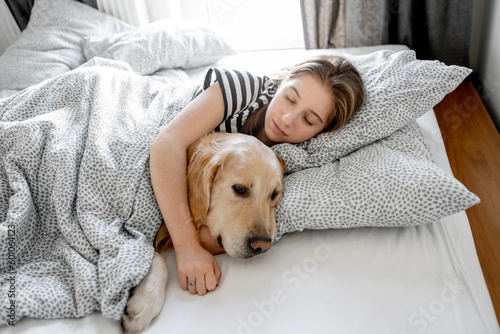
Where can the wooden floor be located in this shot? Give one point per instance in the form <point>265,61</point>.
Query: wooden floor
<point>473,147</point>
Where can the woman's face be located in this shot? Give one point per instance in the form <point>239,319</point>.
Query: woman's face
<point>299,110</point>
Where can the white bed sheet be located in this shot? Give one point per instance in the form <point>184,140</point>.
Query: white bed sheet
<point>424,279</point>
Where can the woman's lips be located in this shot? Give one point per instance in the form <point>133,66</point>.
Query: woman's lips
<point>278,129</point>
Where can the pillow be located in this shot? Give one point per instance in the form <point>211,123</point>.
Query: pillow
<point>399,88</point>
<point>159,45</point>
<point>392,182</point>
<point>51,43</point>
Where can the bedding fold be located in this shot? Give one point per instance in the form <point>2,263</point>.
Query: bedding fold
<point>77,210</point>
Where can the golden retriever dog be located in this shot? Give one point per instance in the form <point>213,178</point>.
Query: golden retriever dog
<point>234,183</point>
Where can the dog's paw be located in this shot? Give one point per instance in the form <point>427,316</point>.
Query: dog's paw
<point>147,299</point>
<point>135,320</point>
<point>132,324</point>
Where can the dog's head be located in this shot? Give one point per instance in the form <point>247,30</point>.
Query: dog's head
<point>235,182</point>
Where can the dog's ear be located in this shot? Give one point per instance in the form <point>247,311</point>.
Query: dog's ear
<point>283,164</point>
<point>202,169</point>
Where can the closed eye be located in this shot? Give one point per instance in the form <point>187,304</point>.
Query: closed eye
<point>306,120</point>
<point>288,98</point>
<point>274,195</point>
<point>240,190</point>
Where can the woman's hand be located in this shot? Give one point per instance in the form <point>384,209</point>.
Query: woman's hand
<point>195,264</point>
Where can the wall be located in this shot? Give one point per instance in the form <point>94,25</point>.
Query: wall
<point>242,23</point>
<point>485,54</point>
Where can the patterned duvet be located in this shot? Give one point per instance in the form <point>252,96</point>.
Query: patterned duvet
<point>75,193</point>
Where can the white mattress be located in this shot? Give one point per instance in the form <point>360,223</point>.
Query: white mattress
<point>424,279</point>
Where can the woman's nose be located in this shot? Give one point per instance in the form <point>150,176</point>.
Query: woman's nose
<point>288,118</point>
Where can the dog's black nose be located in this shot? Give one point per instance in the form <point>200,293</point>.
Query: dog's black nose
<point>259,245</point>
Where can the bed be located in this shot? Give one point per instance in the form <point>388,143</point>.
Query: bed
<point>396,257</point>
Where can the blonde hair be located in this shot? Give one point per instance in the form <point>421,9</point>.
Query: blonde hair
<point>342,79</point>
<point>338,75</point>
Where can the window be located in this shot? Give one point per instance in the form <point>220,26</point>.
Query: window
<point>246,24</point>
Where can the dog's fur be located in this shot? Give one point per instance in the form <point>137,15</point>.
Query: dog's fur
<point>234,183</point>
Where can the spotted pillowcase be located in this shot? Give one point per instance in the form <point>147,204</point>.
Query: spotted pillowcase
<point>398,88</point>
<point>51,44</point>
<point>391,183</point>
<point>176,43</point>
<point>377,170</point>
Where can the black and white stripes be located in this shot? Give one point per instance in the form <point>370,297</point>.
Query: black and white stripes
<point>242,92</point>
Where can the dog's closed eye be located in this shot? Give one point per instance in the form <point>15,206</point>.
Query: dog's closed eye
<point>240,190</point>
<point>274,194</point>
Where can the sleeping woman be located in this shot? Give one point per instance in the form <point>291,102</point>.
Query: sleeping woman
<point>317,95</point>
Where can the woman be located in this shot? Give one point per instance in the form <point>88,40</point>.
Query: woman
<point>317,95</point>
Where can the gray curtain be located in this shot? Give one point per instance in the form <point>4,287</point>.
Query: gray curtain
<point>21,10</point>
<point>435,29</point>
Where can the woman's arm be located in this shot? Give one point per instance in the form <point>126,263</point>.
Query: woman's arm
<point>168,166</point>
